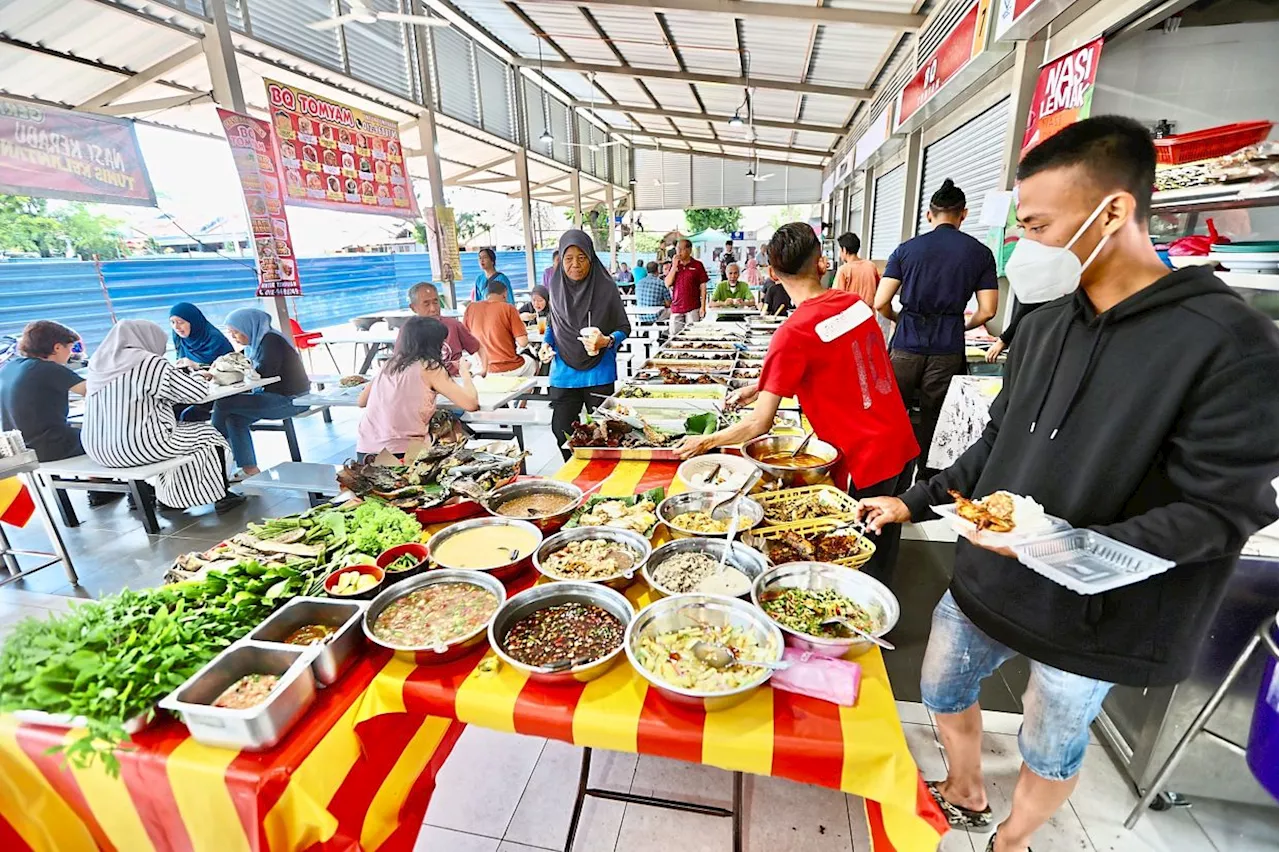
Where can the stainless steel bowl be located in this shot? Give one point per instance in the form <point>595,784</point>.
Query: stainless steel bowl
<point>426,655</point>
<point>792,477</point>
<point>549,594</point>
<point>525,487</point>
<point>747,560</point>
<point>750,513</point>
<point>853,584</point>
<point>632,541</point>
<point>680,611</point>
<point>502,572</point>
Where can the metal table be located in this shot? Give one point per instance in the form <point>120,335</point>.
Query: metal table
<point>22,466</point>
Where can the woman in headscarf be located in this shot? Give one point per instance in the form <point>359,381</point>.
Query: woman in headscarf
<point>753,274</point>
<point>539,305</point>
<point>194,337</point>
<point>587,325</point>
<point>272,357</point>
<point>129,420</point>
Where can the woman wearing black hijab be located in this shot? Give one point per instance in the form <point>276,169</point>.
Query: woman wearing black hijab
<point>587,324</point>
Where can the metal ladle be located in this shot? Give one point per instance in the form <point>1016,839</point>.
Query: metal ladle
<point>837,621</point>
<point>719,657</point>
<point>803,444</point>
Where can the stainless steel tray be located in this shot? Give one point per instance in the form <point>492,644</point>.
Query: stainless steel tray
<point>257,728</point>
<point>336,653</point>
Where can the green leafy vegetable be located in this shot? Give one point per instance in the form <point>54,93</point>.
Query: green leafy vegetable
<point>701,424</point>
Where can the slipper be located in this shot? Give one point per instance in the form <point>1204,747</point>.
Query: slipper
<point>957,816</point>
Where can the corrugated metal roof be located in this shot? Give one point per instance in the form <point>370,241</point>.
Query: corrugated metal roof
<point>505,26</point>
<point>672,94</point>
<point>778,49</point>
<point>81,27</point>
<point>707,42</point>
<point>567,27</point>
<point>826,109</point>
<point>637,36</point>
<point>848,55</point>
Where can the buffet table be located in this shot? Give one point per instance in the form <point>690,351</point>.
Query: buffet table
<point>359,769</point>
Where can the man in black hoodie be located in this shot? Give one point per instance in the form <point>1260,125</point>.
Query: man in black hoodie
<point>1141,405</point>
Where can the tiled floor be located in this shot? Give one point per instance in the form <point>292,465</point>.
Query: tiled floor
<point>528,784</point>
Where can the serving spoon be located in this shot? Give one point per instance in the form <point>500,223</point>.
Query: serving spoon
<point>838,621</point>
<point>719,656</point>
<point>803,444</point>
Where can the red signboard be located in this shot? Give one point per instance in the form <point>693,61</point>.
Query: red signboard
<point>56,153</point>
<point>961,45</point>
<point>1064,94</point>
<point>338,157</point>
<point>1009,13</point>
<point>254,156</point>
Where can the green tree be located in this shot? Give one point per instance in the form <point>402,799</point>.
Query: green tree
<point>698,219</point>
<point>787,215</point>
<point>28,225</point>
<point>471,224</point>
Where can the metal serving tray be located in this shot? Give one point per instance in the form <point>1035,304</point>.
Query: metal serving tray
<point>257,728</point>
<point>338,651</point>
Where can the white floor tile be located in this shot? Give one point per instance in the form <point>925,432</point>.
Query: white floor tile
<point>508,846</point>
<point>542,817</point>
<point>782,814</point>
<point>480,785</point>
<point>1000,764</point>
<point>652,829</point>
<point>922,742</point>
<point>999,722</point>
<point>1104,798</point>
<point>859,834</point>
<point>432,839</point>
<point>1235,827</point>
<point>676,779</point>
<point>914,713</point>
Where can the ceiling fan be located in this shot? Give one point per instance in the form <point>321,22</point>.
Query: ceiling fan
<point>361,13</point>
<point>591,146</point>
<point>753,171</point>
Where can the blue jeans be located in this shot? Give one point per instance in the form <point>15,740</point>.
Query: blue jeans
<point>1058,706</point>
<point>233,415</point>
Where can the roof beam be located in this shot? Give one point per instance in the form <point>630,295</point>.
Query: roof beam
<point>475,170</point>
<point>153,105</point>
<point>818,14</point>
<point>734,158</point>
<point>739,143</point>
<point>695,77</point>
<point>483,181</point>
<point>542,185</point>
<point>147,75</point>
<point>722,117</point>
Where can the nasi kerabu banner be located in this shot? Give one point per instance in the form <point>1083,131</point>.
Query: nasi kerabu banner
<point>48,152</point>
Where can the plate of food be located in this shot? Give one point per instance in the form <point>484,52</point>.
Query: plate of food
<point>792,505</point>
<point>824,540</point>
<point>637,512</point>
<point>1001,518</point>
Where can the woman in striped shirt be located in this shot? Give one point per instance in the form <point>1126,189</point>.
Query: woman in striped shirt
<point>129,419</point>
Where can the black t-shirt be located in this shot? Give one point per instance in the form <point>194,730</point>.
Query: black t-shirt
<point>940,272</point>
<point>776,300</point>
<point>277,358</point>
<point>33,400</point>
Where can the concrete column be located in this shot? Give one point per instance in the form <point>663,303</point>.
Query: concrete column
<point>911,197</point>
<point>631,214</point>
<point>575,190</point>
<point>526,215</point>
<point>613,234</point>
<point>224,74</point>
<point>1027,57</point>
<point>431,150</point>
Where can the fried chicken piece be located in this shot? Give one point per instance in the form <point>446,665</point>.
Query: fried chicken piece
<point>790,547</point>
<point>982,517</point>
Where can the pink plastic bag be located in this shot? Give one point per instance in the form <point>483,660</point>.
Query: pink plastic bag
<point>825,678</point>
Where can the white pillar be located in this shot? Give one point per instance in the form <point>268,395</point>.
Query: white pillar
<point>911,197</point>
<point>435,176</point>
<point>631,214</point>
<point>575,190</point>
<point>224,74</point>
<point>526,215</point>
<point>613,238</point>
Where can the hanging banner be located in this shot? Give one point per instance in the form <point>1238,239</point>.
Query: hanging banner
<point>450,256</point>
<point>48,152</point>
<point>338,157</point>
<point>965,41</point>
<point>254,156</point>
<point>1064,94</point>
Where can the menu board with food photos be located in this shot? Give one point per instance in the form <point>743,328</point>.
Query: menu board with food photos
<point>338,157</point>
<point>255,159</point>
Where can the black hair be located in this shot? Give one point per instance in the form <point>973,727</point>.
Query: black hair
<point>496,288</point>
<point>728,242</point>
<point>948,199</point>
<point>493,257</point>
<point>421,341</point>
<point>849,242</point>
<point>555,254</point>
<point>1114,151</point>
<point>652,267</point>
<point>39,338</point>
<point>793,247</point>
<point>684,241</point>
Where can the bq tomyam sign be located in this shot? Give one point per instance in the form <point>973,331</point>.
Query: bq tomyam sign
<point>338,157</point>
<point>56,153</point>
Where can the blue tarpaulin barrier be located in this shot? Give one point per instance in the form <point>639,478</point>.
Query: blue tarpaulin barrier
<point>336,288</point>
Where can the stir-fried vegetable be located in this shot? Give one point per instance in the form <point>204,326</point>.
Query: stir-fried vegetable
<point>805,609</point>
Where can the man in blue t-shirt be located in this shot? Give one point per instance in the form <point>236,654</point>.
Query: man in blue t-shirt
<point>935,275</point>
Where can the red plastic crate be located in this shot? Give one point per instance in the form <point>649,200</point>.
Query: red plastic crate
<point>1210,142</point>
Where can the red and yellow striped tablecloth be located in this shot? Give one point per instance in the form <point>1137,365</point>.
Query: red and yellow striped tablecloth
<point>860,750</point>
<point>344,779</point>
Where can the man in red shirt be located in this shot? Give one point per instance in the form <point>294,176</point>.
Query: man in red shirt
<point>424,300</point>
<point>687,281</point>
<point>831,355</point>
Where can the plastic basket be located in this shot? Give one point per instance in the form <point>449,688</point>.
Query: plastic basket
<point>757,537</point>
<point>1088,562</point>
<point>844,506</point>
<point>1210,142</point>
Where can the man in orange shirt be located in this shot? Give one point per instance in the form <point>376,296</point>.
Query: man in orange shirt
<point>856,275</point>
<point>501,332</point>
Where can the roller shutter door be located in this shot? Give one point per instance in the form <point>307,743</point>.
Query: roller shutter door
<point>886,216</point>
<point>972,155</point>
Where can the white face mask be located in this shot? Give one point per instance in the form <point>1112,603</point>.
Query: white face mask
<point>1039,273</point>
